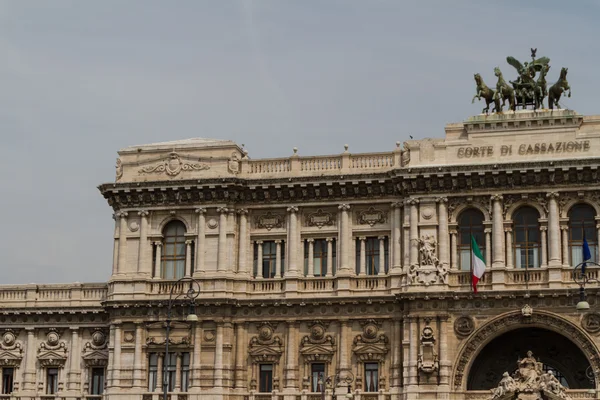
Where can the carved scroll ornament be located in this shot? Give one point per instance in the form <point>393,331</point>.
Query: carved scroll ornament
<point>173,165</point>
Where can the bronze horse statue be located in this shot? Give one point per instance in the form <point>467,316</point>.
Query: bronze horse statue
<point>558,88</point>
<point>504,91</point>
<point>541,90</point>
<point>488,95</point>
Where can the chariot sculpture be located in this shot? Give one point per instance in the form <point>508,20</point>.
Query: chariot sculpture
<point>528,90</point>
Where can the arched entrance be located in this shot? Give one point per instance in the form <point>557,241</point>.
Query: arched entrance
<point>472,358</point>
<point>553,350</point>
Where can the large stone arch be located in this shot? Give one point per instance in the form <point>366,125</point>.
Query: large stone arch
<point>525,203</point>
<point>504,323</point>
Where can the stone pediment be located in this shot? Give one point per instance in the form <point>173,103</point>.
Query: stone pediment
<point>53,358</point>
<point>266,346</point>
<point>11,349</point>
<point>11,358</point>
<point>371,345</point>
<point>96,358</point>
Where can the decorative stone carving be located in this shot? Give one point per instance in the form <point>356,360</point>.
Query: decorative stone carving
<point>128,336</point>
<point>11,349</point>
<point>371,345</point>
<point>269,221</point>
<point>404,155</point>
<point>430,270</point>
<point>464,325</point>
<point>119,169</point>
<point>173,165</point>
<point>233,165</point>
<point>371,217</point>
<point>52,352</point>
<point>320,218</point>
<point>427,213</point>
<point>134,226</point>
<point>266,347</point>
<point>209,336</point>
<point>180,334</point>
<point>95,352</point>
<point>591,322</point>
<point>427,361</point>
<point>526,311</point>
<point>530,382</point>
<point>212,223</point>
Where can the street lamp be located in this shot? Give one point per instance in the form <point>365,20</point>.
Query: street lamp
<point>582,278</point>
<point>190,296</point>
<point>336,379</point>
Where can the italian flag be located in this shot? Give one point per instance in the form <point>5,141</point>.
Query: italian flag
<point>477,262</point>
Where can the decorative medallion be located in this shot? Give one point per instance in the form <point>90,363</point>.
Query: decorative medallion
<point>371,345</point>
<point>464,325</point>
<point>320,219</point>
<point>52,352</point>
<point>526,311</point>
<point>95,352</point>
<point>269,221</point>
<point>209,336</point>
<point>173,165</point>
<point>119,169</point>
<point>591,322</point>
<point>371,217</point>
<point>212,223</point>
<point>427,213</point>
<point>134,226</point>
<point>318,345</point>
<point>98,339</point>
<point>11,349</point>
<point>129,336</point>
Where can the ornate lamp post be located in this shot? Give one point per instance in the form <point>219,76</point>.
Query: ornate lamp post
<point>189,296</point>
<point>348,378</point>
<point>582,278</point>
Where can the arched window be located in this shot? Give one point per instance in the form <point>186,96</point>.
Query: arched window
<point>470,222</point>
<point>582,223</point>
<point>526,237</point>
<point>173,252</point>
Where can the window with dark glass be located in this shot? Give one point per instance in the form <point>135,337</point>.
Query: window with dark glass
<point>185,371</point>
<point>173,251</point>
<point>171,361</point>
<point>317,374</point>
<point>152,371</point>
<point>526,238</point>
<point>97,386</point>
<point>371,377</point>
<point>269,258</point>
<point>470,222</point>
<point>582,223</point>
<point>51,380</point>
<point>8,375</point>
<point>319,257</point>
<point>372,252</point>
<point>266,378</point>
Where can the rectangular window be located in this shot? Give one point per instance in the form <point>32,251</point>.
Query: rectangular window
<point>371,377</point>
<point>171,370</point>
<point>266,378</point>
<point>7,380</point>
<point>317,377</point>
<point>152,371</point>
<point>319,257</point>
<point>185,372</point>
<point>97,386</point>
<point>51,380</point>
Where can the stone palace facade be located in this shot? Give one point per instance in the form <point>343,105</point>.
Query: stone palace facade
<point>353,266</point>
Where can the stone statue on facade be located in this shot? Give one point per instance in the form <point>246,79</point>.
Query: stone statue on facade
<point>529,382</point>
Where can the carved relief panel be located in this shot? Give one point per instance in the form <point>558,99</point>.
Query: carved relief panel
<point>427,361</point>
<point>372,216</point>
<point>53,351</point>
<point>269,220</point>
<point>316,346</point>
<point>11,349</point>
<point>320,218</point>
<point>95,351</point>
<point>371,345</point>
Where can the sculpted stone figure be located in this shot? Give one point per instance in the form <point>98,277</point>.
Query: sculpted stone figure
<point>427,248</point>
<point>506,385</point>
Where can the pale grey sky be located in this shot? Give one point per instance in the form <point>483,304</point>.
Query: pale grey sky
<point>82,79</point>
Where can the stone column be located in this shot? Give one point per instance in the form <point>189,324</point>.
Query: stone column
<point>414,231</point>
<point>406,237</point>
<point>30,371</point>
<point>188,258</point>
<point>381,256</point>
<point>222,246</point>
<point>443,230</point>
<point>278,264</point>
<point>243,243</point>
<point>329,256</point>
<point>488,244</point>
<point>240,355</point>
<point>74,376</point>
<point>200,241</point>
<point>565,245</point>
<point>160,374</point>
<point>138,367</point>
<point>259,258</point>
<point>444,356</point>
<point>293,241</point>
<point>454,250</point>
<point>553,230</point>
<point>362,268</point>
<point>498,231</point>
<point>396,353</point>
<point>196,356</point>
<point>311,257</point>
<point>157,262</point>
<point>177,373</point>
<point>291,364</point>
<point>117,356</point>
<point>396,237</point>
<point>406,351</point>
<point>414,343</point>
<point>116,244</point>
<point>218,375</point>
<point>122,243</point>
<point>143,251</point>
<point>509,248</point>
<point>344,364</point>
<point>544,249</point>
<point>344,236</point>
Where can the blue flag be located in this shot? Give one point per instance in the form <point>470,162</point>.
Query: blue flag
<point>587,255</point>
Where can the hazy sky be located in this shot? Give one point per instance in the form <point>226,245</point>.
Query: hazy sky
<point>82,79</point>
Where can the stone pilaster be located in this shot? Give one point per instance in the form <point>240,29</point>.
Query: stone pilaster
<point>222,246</point>
<point>144,253</point>
<point>200,241</point>
<point>218,374</point>
<point>443,230</point>
<point>414,231</point>
<point>243,242</point>
<point>196,358</point>
<point>122,242</point>
<point>553,231</point>
<point>397,237</point>
<point>138,356</point>
<point>291,363</point>
<point>497,232</point>
<point>116,375</point>
<point>74,373</point>
<point>345,236</point>
<point>240,355</point>
<point>293,241</point>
